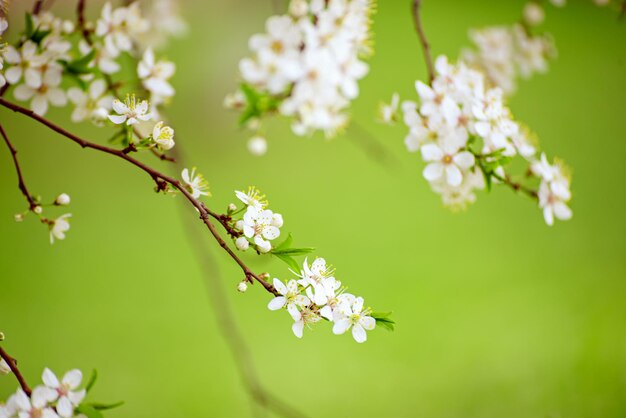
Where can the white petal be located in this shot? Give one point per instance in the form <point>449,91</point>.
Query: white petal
<point>464,159</point>
<point>277,303</point>
<point>431,152</point>
<point>454,176</point>
<point>73,378</point>
<point>280,286</point>
<point>117,119</point>
<point>297,328</point>
<point>341,326</point>
<point>65,408</point>
<point>50,379</point>
<point>359,334</point>
<point>368,323</point>
<point>433,171</point>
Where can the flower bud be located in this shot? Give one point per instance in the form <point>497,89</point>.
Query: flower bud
<point>298,8</point>
<point>264,276</point>
<point>4,367</point>
<point>277,220</point>
<point>242,243</point>
<point>239,225</point>
<point>19,217</point>
<point>2,336</point>
<point>533,13</point>
<point>264,247</point>
<point>62,200</point>
<point>38,210</point>
<point>257,145</point>
<point>242,286</point>
<point>232,207</point>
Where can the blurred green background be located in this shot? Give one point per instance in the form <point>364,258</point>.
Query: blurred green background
<point>498,315</point>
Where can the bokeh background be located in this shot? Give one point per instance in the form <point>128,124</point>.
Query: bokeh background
<point>497,314</point>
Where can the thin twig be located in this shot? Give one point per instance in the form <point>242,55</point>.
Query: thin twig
<point>20,178</point>
<point>16,371</point>
<point>37,7</point>
<point>80,17</point>
<point>518,187</point>
<point>423,40</point>
<point>159,178</point>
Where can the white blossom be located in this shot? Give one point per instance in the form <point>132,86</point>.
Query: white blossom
<point>130,112</point>
<point>195,183</point>
<point>163,136</point>
<point>242,243</point>
<point>350,313</point>
<point>253,197</point>
<point>388,113</point>
<point>4,367</point>
<point>155,75</point>
<point>290,297</point>
<point>67,396</point>
<point>62,200</point>
<point>257,145</point>
<point>258,226</point>
<point>59,226</point>
<point>38,405</point>
<point>93,104</point>
<point>120,27</point>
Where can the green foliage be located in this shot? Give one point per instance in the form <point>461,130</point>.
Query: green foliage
<point>257,103</point>
<point>382,319</point>
<point>92,380</point>
<point>34,34</point>
<point>285,252</point>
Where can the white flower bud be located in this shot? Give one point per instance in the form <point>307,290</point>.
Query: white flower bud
<point>242,243</point>
<point>62,200</point>
<point>232,207</point>
<point>239,225</point>
<point>277,220</point>
<point>19,217</point>
<point>264,247</point>
<point>257,145</point>
<point>4,367</point>
<point>235,100</point>
<point>242,287</point>
<point>533,13</point>
<point>38,210</point>
<point>298,8</point>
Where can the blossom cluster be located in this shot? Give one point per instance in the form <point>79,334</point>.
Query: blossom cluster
<point>53,53</point>
<point>306,66</point>
<point>317,295</point>
<point>504,53</point>
<point>57,226</point>
<point>466,135</point>
<point>258,225</point>
<point>53,399</point>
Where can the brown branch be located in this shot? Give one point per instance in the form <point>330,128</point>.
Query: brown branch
<point>21,184</point>
<point>518,187</point>
<point>157,176</point>
<point>80,17</point>
<point>16,371</point>
<point>423,40</point>
<point>37,7</point>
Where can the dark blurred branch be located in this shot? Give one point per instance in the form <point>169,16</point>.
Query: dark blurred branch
<point>242,355</point>
<point>21,184</point>
<point>162,181</point>
<point>16,371</point>
<point>423,40</point>
<point>80,18</point>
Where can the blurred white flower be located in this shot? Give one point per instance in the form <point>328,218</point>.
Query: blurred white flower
<point>195,183</point>
<point>59,226</point>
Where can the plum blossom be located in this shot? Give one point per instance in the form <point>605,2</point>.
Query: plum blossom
<point>65,393</point>
<point>155,75</point>
<point>131,111</point>
<point>350,313</point>
<point>163,136</point>
<point>93,104</point>
<point>195,183</point>
<point>260,226</point>
<point>290,297</point>
<point>59,226</point>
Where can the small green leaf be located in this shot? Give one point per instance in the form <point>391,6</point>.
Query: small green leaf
<point>382,319</point>
<point>92,380</point>
<point>29,28</point>
<point>39,35</point>
<point>105,406</point>
<point>285,244</point>
<point>290,261</point>
<point>294,251</point>
<point>89,411</point>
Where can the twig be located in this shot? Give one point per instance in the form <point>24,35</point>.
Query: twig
<point>80,17</point>
<point>20,178</point>
<point>16,371</point>
<point>518,187</point>
<point>159,178</point>
<point>37,7</point>
<point>423,40</point>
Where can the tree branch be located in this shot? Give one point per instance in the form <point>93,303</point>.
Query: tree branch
<point>16,371</point>
<point>80,17</point>
<point>21,184</point>
<point>159,178</point>
<point>423,40</point>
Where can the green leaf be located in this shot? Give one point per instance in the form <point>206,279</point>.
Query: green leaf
<point>285,244</point>
<point>105,406</point>
<point>29,27</point>
<point>89,411</point>
<point>382,319</point>
<point>257,103</point>
<point>92,380</point>
<point>39,35</point>
<point>81,65</point>
<point>293,251</point>
<point>290,261</point>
